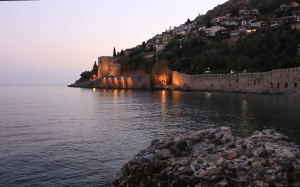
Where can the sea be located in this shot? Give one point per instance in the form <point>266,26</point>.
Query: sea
<point>60,136</point>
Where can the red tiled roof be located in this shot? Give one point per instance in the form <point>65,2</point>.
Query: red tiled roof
<point>282,18</point>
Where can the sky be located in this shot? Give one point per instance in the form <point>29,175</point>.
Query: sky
<point>50,42</point>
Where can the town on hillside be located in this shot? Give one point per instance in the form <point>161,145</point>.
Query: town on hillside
<point>230,25</point>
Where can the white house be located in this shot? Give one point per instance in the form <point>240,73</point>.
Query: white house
<point>234,32</point>
<point>218,19</point>
<point>225,22</point>
<point>212,31</point>
<point>257,24</point>
<point>235,23</point>
<point>159,47</point>
<point>280,21</point>
<point>201,27</point>
<point>296,22</point>
<point>245,23</point>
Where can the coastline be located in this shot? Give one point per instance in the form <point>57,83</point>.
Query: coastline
<point>95,84</point>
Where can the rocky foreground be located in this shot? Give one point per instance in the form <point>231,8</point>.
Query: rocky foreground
<point>214,157</point>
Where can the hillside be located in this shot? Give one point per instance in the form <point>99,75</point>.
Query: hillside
<point>237,36</point>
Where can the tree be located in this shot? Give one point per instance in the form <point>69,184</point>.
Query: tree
<point>188,21</point>
<point>122,53</point>
<point>114,54</point>
<point>95,65</point>
<point>143,45</point>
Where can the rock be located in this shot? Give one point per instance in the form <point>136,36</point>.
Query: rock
<point>179,183</point>
<point>153,142</point>
<point>181,145</point>
<point>218,135</point>
<point>115,182</point>
<point>198,147</point>
<point>164,154</point>
<point>174,150</point>
<point>297,155</point>
<point>229,154</point>
<point>195,167</point>
<point>268,131</point>
<point>271,179</point>
<point>212,157</point>
<point>187,171</point>
<point>216,178</point>
<point>149,158</point>
<point>242,166</point>
<point>249,163</point>
<point>196,138</point>
<point>163,176</point>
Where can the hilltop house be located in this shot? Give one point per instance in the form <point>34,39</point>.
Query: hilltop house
<point>159,47</point>
<point>257,24</point>
<point>218,19</point>
<point>281,21</point>
<point>212,31</point>
<point>295,24</point>
<point>248,13</point>
<point>234,32</point>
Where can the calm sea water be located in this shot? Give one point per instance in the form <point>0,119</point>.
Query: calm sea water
<point>59,136</point>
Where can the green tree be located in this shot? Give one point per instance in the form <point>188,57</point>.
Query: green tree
<point>188,21</point>
<point>122,53</point>
<point>114,53</point>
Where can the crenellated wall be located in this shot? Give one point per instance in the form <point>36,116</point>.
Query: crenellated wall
<point>285,81</point>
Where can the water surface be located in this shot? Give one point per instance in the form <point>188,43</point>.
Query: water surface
<point>59,136</point>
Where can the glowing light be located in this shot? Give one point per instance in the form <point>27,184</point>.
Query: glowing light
<point>231,71</point>
<point>94,89</point>
<point>94,75</point>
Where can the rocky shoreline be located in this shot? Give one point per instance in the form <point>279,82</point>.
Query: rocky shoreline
<point>213,157</point>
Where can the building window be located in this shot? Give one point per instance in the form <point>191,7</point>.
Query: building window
<point>295,85</point>
<point>286,85</point>
<point>277,85</point>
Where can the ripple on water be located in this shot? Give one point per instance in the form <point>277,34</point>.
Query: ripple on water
<point>57,136</point>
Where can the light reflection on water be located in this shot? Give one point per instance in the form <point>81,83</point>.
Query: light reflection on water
<point>57,136</point>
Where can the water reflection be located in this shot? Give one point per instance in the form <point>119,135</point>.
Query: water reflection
<point>96,132</point>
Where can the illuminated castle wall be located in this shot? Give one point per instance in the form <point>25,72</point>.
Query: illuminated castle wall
<point>285,81</point>
<point>109,76</point>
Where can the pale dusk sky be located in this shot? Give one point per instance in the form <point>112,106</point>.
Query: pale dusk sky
<point>50,42</point>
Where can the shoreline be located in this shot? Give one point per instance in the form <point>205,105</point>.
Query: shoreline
<point>213,157</point>
<point>181,88</point>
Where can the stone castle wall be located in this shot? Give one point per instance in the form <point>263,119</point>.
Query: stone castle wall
<point>285,81</point>
<point>125,82</point>
<point>108,66</point>
<point>109,76</point>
